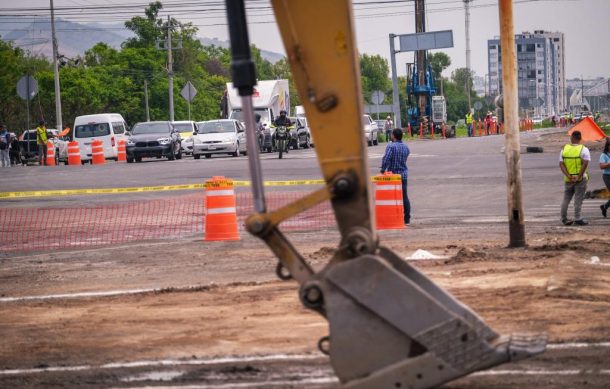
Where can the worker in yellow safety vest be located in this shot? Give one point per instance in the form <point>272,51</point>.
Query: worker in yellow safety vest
<point>41,140</point>
<point>469,123</point>
<point>573,162</point>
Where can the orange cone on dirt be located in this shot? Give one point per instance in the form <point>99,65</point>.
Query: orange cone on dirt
<point>50,154</point>
<point>97,152</point>
<point>121,151</point>
<point>220,210</point>
<point>73,154</point>
<point>389,214</point>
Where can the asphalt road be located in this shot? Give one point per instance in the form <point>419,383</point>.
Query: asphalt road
<point>461,180</point>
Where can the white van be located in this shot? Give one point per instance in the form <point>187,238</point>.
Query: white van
<point>107,127</point>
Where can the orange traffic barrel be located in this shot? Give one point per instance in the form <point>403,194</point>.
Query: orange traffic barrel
<point>389,213</point>
<point>50,154</point>
<point>121,151</point>
<point>97,152</point>
<point>73,154</point>
<point>220,210</point>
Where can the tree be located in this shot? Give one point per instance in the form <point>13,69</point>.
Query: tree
<point>463,78</point>
<point>148,30</point>
<point>374,71</point>
<point>438,62</point>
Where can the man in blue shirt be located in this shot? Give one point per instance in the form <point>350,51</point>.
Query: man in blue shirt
<point>395,161</point>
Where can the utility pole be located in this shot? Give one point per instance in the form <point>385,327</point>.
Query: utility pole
<point>516,222</point>
<point>395,95</point>
<point>467,12</point>
<point>170,72</point>
<point>56,72</point>
<point>146,100</point>
<point>420,55</point>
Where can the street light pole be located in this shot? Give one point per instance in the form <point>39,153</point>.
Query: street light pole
<point>170,71</point>
<point>516,222</point>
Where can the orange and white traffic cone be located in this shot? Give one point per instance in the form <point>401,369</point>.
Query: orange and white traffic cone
<point>97,152</point>
<point>50,154</point>
<point>389,211</point>
<point>121,151</point>
<point>73,154</point>
<point>220,210</point>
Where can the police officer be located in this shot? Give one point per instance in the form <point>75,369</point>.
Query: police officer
<point>283,120</point>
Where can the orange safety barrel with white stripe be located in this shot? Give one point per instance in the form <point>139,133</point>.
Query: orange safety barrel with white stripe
<point>122,151</point>
<point>73,154</point>
<point>97,152</point>
<point>50,154</point>
<point>220,210</point>
<point>389,209</point>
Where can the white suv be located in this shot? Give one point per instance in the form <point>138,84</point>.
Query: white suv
<point>371,131</point>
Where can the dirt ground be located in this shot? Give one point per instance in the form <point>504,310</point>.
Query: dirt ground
<point>201,305</point>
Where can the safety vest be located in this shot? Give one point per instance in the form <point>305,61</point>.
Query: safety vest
<point>572,160</point>
<point>468,118</point>
<point>41,136</point>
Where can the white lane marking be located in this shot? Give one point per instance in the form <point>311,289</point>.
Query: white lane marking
<point>541,372</point>
<point>260,384</point>
<point>237,359</point>
<point>167,362</point>
<point>79,295</point>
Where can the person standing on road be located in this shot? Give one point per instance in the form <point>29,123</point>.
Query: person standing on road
<point>469,123</point>
<point>387,128</point>
<point>41,140</point>
<point>604,164</point>
<point>5,145</point>
<point>573,162</point>
<point>395,160</point>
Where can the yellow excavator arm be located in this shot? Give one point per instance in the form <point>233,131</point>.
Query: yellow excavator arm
<point>389,325</point>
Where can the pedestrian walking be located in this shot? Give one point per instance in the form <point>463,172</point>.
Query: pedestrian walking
<point>5,145</point>
<point>387,128</point>
<point>487,121</point>
<point>469,123</point>
<point>395,160</point>
<point>604,164</point>
<point>573,162</point>
<point>41,140</point>
<point>15,150</point>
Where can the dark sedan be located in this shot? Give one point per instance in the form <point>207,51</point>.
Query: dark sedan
<point>153,139</point>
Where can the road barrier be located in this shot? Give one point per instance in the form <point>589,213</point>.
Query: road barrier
<point>389,213</point>
<point>50,154</point>
<point>73,154</point>
<point>97,152</point>
<point>221,210</point>
<point>121,151</point>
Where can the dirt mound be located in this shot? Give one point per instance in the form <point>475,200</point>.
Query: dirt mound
<point>467,254</point>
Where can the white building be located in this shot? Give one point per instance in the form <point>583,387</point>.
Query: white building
<point>541,72</point>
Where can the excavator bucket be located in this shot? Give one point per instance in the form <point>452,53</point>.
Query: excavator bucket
<point>390,326</point>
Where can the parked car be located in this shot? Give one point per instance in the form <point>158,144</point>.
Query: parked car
<point>371,131</point>
<point>110,128</point>
<point>224,136</point>
<point>536,120</point>
<point>29,147</point>
<point>186,129</point>
<point>301,136</point>
<point>305,137</point>
<point>153,139</point>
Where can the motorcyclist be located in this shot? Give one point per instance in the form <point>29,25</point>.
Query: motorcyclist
<point>284,121</point>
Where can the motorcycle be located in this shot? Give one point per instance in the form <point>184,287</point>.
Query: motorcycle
<point>281,139</point>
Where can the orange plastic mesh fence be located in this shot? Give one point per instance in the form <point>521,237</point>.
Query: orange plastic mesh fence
<point>32,230</point>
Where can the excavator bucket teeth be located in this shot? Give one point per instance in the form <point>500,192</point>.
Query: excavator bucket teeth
<point>388,326</point>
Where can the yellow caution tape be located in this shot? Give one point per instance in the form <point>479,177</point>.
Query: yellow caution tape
<point>97,191</point>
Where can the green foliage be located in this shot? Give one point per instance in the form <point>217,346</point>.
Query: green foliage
<point>438,62</point>
<point>374,71</point>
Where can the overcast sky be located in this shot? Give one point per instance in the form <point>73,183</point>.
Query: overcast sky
<point>585,24</point>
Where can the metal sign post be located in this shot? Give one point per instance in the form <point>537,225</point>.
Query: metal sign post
<point>188,93</point>
<point>27,88</point>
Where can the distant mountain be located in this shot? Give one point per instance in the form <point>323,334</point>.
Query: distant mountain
<point>270,56</point>
<point>34,35</point>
